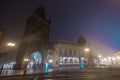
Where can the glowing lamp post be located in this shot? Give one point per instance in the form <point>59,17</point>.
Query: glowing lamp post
<point>87,50</point>
<point>113,61</point>
<point>26,62</point>
<point>99,58</point>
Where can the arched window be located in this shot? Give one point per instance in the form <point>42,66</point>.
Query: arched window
<point>70,52</point>
<point>35,60</point>
<point>74,52</point>
<point>65,52</point>
<point>60,52</point>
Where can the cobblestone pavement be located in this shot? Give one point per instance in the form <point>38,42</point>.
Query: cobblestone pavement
<point>70,75</point>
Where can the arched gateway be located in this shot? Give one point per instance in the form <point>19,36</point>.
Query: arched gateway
<point>35,60</point>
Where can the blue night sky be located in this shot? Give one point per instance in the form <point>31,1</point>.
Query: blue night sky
<point>97,20</point>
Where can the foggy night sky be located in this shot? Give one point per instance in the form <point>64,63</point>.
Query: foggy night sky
<point>97,20</point>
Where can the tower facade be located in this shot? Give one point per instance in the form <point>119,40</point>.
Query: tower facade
<point>35,40</point>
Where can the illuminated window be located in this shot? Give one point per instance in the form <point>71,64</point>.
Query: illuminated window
<point>71,60</point>
<point>66,60</point>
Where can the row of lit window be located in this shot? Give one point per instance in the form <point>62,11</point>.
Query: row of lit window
<point>67,52</point>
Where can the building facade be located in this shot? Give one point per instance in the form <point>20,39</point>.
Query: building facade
<point>117,56</point>
<point>69,55</point>
<point>66,54</point>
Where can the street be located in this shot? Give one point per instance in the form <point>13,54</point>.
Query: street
<point>72,75</point>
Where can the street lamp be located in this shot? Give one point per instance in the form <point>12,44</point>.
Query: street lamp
<point>10,44</point>
<point>88,56</point>
<point>26,62</point>
<point>99,59</point>
<point>113,60</point>
<point>26,59</point>
<point>50,61</point>
<point>86,49</point>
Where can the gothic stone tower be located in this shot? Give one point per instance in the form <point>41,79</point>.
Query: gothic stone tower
<point>35,38</point>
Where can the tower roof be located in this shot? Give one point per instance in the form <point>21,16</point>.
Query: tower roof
<point>40,12</point>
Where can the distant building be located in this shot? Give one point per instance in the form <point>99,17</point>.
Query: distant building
<point>7,54</point>
<point>65,53</point>
<point>117,56</point>
<point>117,52</point>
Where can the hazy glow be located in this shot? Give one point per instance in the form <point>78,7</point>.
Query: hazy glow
<point>99,56</point>
<point>113,59</point>
<point>50,61</point>
<point>118,57</point>
<point>105,59</point>
<point>109,57</point>
<point>87,49</point>
<point>10,44</point>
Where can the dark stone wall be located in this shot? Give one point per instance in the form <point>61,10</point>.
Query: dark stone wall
<point>3,36</point>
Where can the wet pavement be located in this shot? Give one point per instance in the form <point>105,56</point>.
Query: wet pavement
<point>75,75</point>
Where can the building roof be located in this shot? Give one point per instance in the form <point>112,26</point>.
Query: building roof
<point>66,42</point>
<point>117,52</point>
